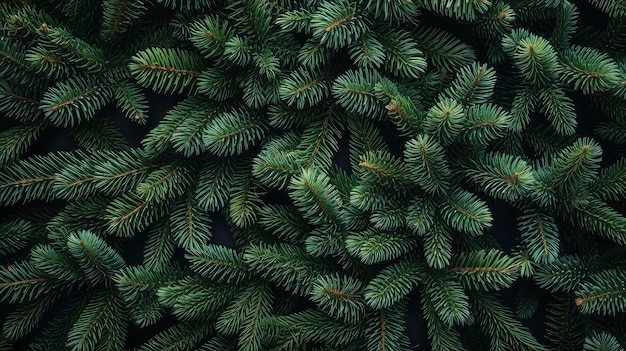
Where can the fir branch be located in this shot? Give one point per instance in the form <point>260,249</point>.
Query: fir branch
<point>189,225</point>
<point>286,265</point>
<point>354,156</point>
<point>426,158</point>
<point>464,212</point>
<point>484,270</point>
<point>316,198</point>
<point>166,70</point>
<point>69,103</point>
<point>502,327</point>
<point>392,284</point>
<point>218,263</point>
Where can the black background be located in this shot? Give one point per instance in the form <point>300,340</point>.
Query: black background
<point>504,229</point>
<point>59,139</point>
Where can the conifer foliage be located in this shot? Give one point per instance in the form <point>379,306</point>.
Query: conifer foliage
<point>358,151</point>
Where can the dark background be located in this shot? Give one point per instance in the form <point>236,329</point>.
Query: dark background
<point>59,139</point>
<point>504,228</point>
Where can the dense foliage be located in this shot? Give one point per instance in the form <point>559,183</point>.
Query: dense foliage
<point>357,150</point>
